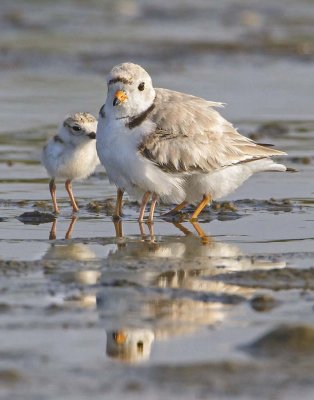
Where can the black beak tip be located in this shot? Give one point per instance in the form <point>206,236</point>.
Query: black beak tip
<point>92,135</point>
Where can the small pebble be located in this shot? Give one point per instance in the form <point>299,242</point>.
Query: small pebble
<point>263,302</point>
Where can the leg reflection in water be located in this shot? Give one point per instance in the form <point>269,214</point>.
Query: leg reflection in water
<point>205,239</point>
<point>68,235</point>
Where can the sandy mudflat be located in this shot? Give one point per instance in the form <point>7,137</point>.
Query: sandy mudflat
<point>163,314</point>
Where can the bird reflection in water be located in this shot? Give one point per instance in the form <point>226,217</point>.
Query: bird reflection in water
<point>130,345</point>
<point>73,251</point>
<point>167,292</point>
<point>192,298</point>
<point>68,250</point>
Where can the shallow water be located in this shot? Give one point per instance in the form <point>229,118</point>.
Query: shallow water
<point>92,309</point>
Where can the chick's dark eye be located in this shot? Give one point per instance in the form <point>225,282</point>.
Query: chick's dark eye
<point>141,86</point>
<point>76,128</point>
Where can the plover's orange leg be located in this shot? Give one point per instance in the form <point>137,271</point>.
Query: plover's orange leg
<point>152,208</point>
<point>202,204</point>
<point>143,206</point>
<point>118,210</point>
<point>177,208</point>
<point>68,187</point>
<point>52,188</point>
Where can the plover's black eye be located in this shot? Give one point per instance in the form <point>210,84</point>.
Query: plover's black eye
<point>76,128</point>
<point>141,86</point>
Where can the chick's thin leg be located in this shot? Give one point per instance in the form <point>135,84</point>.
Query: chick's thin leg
<point>68,235</point>
<point>52,188</point>
<point>68,186</point>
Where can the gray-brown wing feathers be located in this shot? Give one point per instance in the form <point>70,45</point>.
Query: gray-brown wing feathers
<point>191,136</point>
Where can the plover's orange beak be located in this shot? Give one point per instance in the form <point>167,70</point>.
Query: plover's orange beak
<point>119,337</point>
<point>119,97</point>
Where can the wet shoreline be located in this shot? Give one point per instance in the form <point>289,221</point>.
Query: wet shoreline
<point>220,309</point>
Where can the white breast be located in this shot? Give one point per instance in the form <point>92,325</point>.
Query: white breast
<point>63,160</point>
<point>117,148</point>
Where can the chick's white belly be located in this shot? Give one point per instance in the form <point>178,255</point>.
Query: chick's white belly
<point>71,164</point>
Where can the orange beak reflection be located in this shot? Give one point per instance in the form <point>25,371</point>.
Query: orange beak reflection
<point>119,97</point>
<point>119,337</point>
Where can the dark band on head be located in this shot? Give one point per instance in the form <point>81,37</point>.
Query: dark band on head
<point>120,79</point>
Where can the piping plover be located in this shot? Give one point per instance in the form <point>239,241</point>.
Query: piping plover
<point>71,154</point>
<point>171,145</point>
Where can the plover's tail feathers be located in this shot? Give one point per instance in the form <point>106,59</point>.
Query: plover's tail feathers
<point>266,165</point>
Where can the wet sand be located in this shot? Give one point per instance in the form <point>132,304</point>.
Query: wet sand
<point>89,308</point>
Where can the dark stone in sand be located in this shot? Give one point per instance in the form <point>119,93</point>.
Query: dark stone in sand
<point>263,302</point>
<point>36,218</point>
<point>286,340</point>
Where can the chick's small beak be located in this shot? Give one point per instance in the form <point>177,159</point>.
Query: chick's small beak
<point>92,135</point>
<point>119,97</point>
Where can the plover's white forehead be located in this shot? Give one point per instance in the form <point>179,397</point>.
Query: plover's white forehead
<point>80,119</point>
<point>127,73</point>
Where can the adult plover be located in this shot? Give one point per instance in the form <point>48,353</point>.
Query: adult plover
<point>171,146</point>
